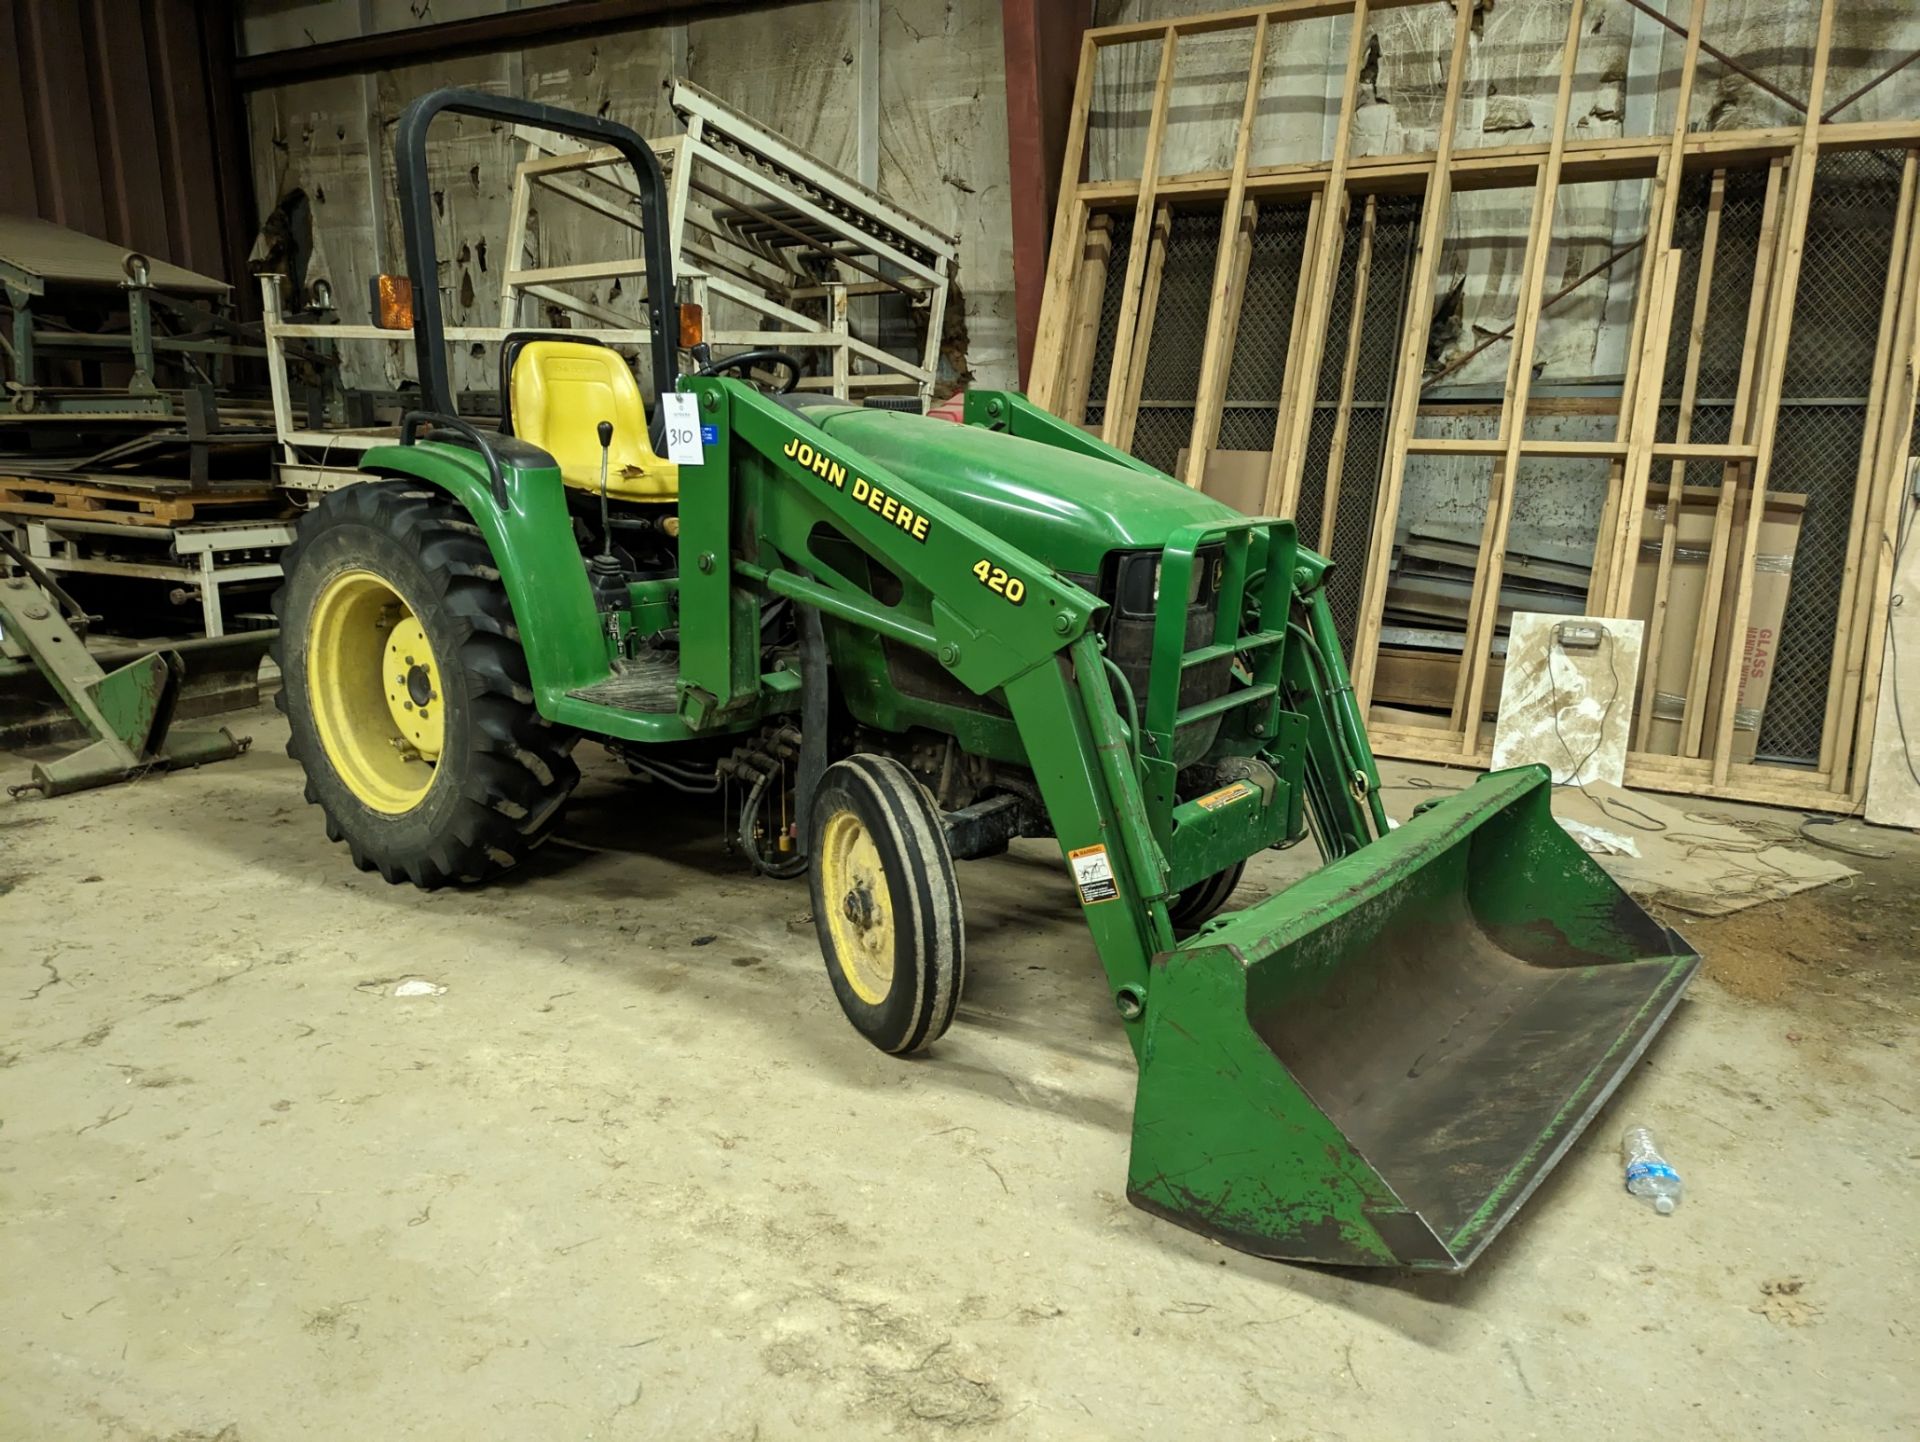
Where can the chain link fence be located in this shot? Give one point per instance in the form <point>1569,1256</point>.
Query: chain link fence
<point>1170,380</point>
<point>1120,236</point>
<point>1823,414</point>
<point>1822,419</point>
<point>1396,231</point>
<point>1266,323</point>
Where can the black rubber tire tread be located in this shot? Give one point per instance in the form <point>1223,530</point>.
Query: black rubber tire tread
<point>504,778</point>
<point>1195,906</point>
<point>929,968</point>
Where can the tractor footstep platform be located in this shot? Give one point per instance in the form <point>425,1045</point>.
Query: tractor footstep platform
<point>651,684</point>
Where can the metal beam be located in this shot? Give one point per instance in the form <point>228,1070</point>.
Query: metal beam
<point>1043,55</point>
<point>512,29</point>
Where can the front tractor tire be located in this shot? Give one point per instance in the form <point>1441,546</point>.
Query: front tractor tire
<point>406,690</point>
<point>886,903</point>
<point>1197,905</point>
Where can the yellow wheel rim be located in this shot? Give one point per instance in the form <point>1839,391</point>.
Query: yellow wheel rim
<point>859,910</point>
<point>374,686</point>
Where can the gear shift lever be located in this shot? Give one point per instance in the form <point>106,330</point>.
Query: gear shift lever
<point>609,581</point>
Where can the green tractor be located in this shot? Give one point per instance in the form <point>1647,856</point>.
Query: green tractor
<point>906,642</point>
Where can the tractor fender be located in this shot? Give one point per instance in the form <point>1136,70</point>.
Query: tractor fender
<point>532,543</point>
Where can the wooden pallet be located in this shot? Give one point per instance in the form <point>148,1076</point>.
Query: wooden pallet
<point>32,496</point>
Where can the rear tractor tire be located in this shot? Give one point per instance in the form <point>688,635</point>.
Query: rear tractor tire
<point>886,904</point>
<point>406,690</point>
<point>1196,906</point>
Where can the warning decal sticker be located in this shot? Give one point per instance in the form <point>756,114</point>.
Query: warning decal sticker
<point>1093,874</point>
<point>1225,796</point>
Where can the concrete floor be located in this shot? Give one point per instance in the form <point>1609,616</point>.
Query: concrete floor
<point>631,1175</point>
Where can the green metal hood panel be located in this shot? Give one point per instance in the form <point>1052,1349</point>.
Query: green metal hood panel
<point>1066,510</point>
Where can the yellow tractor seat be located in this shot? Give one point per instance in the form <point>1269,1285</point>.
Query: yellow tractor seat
<point>558,392</point>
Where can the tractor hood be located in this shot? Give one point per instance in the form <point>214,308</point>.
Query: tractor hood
<point>1066,510</point>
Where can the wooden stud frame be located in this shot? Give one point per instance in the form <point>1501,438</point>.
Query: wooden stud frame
<point>1078,279</point>
<point>1786,285</point>
<point>1888,426</point>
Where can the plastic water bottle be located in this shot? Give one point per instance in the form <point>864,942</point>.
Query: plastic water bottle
<point>1648,1175</point>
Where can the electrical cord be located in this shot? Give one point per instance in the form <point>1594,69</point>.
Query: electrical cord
<point>1606,715</point>
<point>1871,853</point>
<point>1608,806</point>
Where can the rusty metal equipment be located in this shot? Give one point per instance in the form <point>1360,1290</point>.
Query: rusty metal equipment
<point>128,711</point>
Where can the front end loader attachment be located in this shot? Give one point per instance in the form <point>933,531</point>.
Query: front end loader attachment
<point>1380,1064</point>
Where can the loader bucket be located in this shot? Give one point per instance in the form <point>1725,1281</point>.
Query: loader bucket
<point>1377,1066</point>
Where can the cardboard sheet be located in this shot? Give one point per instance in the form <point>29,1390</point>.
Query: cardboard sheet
<point>1692,857</point>
<point>1686,587</point>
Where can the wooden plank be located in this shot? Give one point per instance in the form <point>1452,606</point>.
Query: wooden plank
<point>1349,372</point>
<point>1290,378</point>
<point>1290,430</point>
<point>1120,430</point>
<point>1405,402</point>
<point>1456,446</point>
<point>1576,450</point>
<point>1849,652</point>
<point>1701,451</point>
<point>1884,776</point>
<point>516,252</point>
<point>1736,498</point>
<point>1615,554</point>
<point>1786,289</point>
<point>1216,356</point>
<point>1282,10</point>
<point>1746,781</point>
<point>1083,336</point>
<point>1480,624</point>
<point>1069,225</point>
<point>1677,473</point>
<point>1646,415</point>
<point>1126,337</point>
<point>1882,523</point>
<point>1511,166</point>
<point>1692,721</point>
<point>1242,263</point>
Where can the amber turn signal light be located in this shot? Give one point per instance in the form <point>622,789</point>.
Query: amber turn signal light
<point>392,302</point>
<point>693,325</point>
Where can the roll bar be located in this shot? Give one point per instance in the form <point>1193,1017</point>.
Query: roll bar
<point>423,264</point>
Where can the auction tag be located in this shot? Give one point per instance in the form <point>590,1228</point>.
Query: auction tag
<point>686,445</point>
<point>1093,874</point>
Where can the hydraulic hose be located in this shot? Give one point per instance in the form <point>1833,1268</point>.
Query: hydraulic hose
<point>1348,726</point>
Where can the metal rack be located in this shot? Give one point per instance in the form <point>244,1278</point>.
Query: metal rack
<point>200,558</point>
<point>787,251</point>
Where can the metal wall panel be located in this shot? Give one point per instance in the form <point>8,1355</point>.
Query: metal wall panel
<point>124,126</point>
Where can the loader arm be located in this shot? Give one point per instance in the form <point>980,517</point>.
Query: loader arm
<point>1340,777</point>
<point>1375,1066</point>
<point>771,482</point>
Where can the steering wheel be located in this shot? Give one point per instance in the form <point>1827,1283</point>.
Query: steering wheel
<point>746,360</point>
